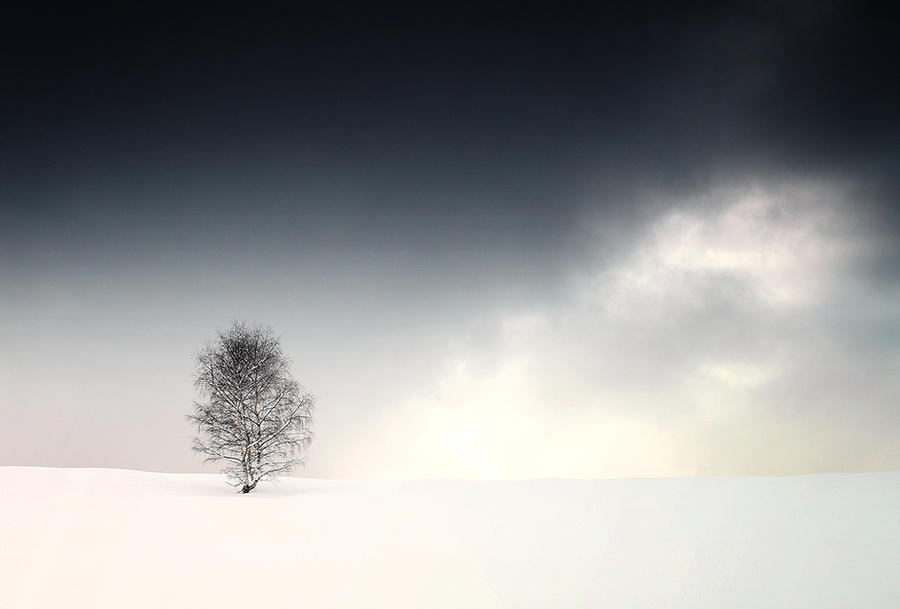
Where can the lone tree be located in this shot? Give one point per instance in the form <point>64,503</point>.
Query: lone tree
<point>255,418</point>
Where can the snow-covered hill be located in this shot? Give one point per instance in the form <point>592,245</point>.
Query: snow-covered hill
<point>123,539</point>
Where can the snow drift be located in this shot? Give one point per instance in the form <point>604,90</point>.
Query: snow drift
<point>112,538</point>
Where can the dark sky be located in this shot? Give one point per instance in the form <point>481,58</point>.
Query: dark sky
<point>647,240</point>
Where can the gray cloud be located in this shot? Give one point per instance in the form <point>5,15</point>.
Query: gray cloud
<point>718,342</point>
<point>644,242</point>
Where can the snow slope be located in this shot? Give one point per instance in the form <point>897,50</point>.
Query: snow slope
<point>120,539</point>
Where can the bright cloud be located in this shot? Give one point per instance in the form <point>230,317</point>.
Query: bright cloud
<point>673,360</point>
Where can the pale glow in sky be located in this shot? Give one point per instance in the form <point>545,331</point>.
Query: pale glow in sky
<point>667,362</point>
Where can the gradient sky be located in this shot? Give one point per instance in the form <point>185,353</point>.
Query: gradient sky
<point>495,244</point>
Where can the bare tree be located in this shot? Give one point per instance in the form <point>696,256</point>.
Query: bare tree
<point>255,418</point>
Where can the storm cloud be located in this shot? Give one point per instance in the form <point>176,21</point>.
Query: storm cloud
<point>644,242</point>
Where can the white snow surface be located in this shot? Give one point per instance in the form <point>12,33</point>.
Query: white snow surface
<point>114,538</point>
